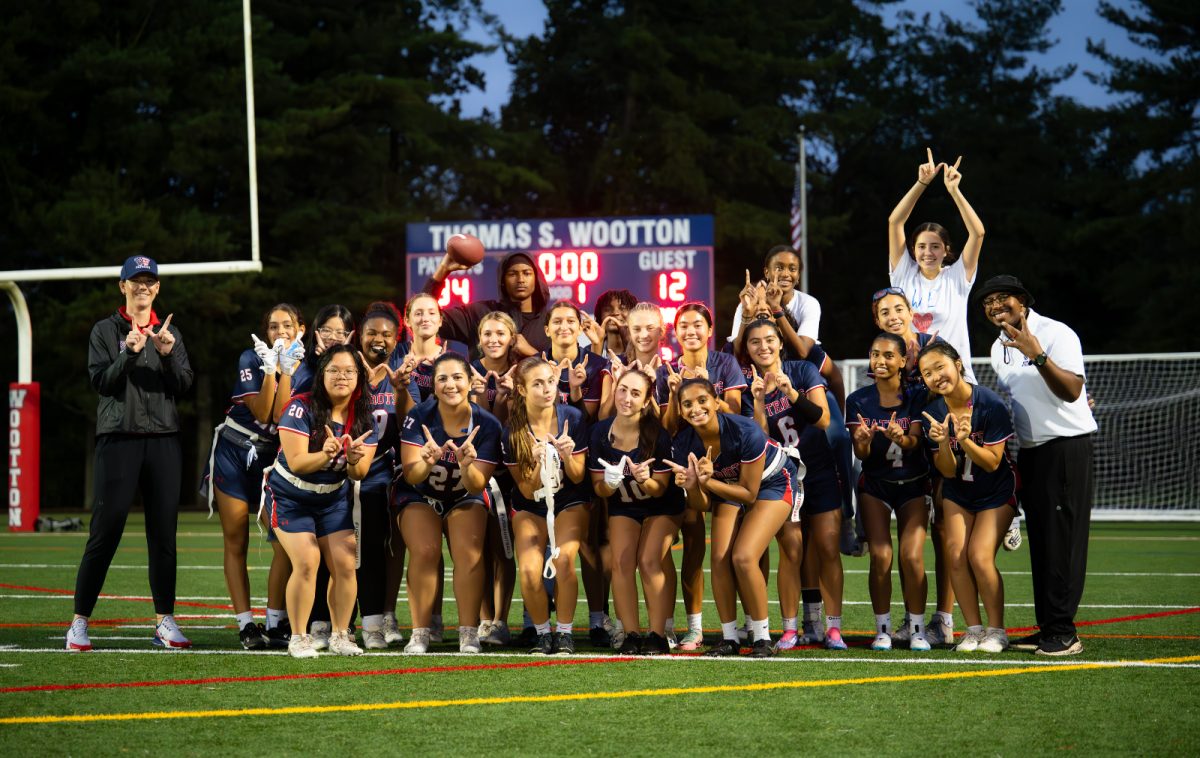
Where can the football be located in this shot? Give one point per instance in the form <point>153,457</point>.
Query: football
<point>465,249</point>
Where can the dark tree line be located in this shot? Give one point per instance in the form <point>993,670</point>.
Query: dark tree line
<point>122,130</point>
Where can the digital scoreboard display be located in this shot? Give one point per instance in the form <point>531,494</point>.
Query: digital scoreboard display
<point>666,260</point>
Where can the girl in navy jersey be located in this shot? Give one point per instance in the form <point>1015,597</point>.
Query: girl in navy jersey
<point>886,428</point>
<point>627,458</point>
<point>243,446</point>
<point>726,463</point>
<point>968,426</point>
<point>788,399</point>
<point>585,381</point>
<point>491,376</point>
<point>330,439</point>
<point>450,448</point>
<point>424,318</point>
<point>537,420</point>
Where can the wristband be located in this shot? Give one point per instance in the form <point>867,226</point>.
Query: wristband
<point>777,314</point>
<point>923,184</point>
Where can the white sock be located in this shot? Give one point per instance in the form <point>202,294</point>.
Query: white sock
<point>947,619</point>
<point>883,623</point>
<point>562,628</point>
<point>729,630</point>
<point>274,617</point>
<point>373,623</point>
<point>542,628</point>
<point>595,618</point>
<point>695,622</point>
<point>833,622</point>
<point>916,623</point>
<point>975,628</point>
<point>243,619</point>
<point>760,630</point>
<point>812,612</point>
<point>790,624</point>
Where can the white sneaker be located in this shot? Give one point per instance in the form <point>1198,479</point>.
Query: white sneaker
<point>342,643</point>
<point>374,639</point>
<point>437,630</point>
<point>882,642</point>
<point>391,630</point>
<point>743,632</point>
<point>301,646</point>
<point>319,631</point>
<point>77,636</point>
<point>468,640</point>
<point>938,633</point>
<point>1012,538</point>
<point>994,640</point>
<point>418,643</point>
<point>616,632</point>
<point>672,641</point>
<point>167,634</point>
<point>969,642</point>
<point>900,634</point>
<point>497,634</point>
<point>917,643</point>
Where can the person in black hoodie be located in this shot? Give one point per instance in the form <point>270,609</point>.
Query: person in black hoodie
<point>524,295</point>
<point>140,371</point>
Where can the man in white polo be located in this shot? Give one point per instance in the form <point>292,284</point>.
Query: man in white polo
<point>1040,362</point>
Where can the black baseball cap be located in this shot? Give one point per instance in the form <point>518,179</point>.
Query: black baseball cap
<point>1004,283</point>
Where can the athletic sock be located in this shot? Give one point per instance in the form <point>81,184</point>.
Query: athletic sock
<point>883,623</point>
<point>833,622</point>
<point>595,618</point>
<point>760,630</point>
<point>373,623</point>
<point>811,595</point>
<point>975,628</point>
<point>542,628</point>
<point>274,617</point>
<point>695,622</point>
<point>729,630</point>
<point>243,619</point>
<point>947,619</point>
<point>790,624</point>
<point>916,623</point>
<point>562,628</point>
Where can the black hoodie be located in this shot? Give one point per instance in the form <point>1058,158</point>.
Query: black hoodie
<point>461,322</point>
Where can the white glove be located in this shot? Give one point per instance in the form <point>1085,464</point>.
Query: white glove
<point>614,473</point>
<point>291,356</point>
<point>269,358</point>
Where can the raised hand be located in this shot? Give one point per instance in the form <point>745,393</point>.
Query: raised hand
<point>592,331</point>
<point>402,376</point>
<point>863,433</point>
<point>614,473</point>
<point>893,431</point>
<point>928,170</point>
<point>332,447</point>
<point>761,308</point>
<point>748,297</point>
<point>269,358</point>
<point>758,387</point>
<point>952,176</point>
<point>578,374</point>
<point>374,375</point>
<point>135,340</point>
<point>163,339</point>
<point>685,476</point>
<point>1022,338</point>
<point>319,344</point>
<point>563,442</point>
<point>673,379</point>
<point>505,386</point>
<point>431,451</point>
<point>962,426</point>
<point>618,366</point>
<point>356,448</point>
<point>465,453</point>
<point>783,382</point>
<point>641,471</point>
<point>939,431</point>
<point>773,294</point>
<point>291,357</point>
<point>703,465</point>
<point>479,381</point>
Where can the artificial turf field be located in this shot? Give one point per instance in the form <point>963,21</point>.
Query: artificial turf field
<point>1135,688</point>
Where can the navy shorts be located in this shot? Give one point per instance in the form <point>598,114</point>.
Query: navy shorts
<point>231,476</point>
<point>894,494</point>
<point>538,509</point>
<point>296,511</point>
<point>442,507</point>
<point>986,505</point>
<point>639,513</point>
<point>821,493</point>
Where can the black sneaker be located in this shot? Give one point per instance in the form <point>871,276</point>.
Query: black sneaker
<point>253,637</point>
<point>1029,643</point>
<point>632,644</point>
<point>543,644</point>
<point>1064,645</point>
<point>655,644</point>
<point>564,643</point>
<point>762,649</point>
<point>724,648</point>
<point>280,635</point>
<point>599,637</point>
<point>526,639</point>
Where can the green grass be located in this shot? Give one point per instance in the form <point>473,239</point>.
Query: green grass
<point>1042,709</point>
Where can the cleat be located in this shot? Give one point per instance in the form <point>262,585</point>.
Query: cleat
<point>418,643</point>
<point>994,640</point>
<point>724,648</point>
<point>812,633</point>
<point>692,639</point>
<point>77,636</point>
<point>342,643</point>
<point>319,631</point>
<point>1058,646</point>
<point>1012,538</point>
<point>834,641</point>
<point>253,637</point>
<point>901,634</point>
<point>526,639</point>
<point>391,630</point>
<point>632,644</point>
<point>655,644</point>
<point>301,646</point>
<point>167,635</point>
<point>882,642</point>
<point>279,635</point>
<point>374,639</point>
<point>788,641</point>
<point>564,643</point>
<point>917,643</point>
<point>969,642</point>
<point>498,634</point>
<point>599,637</point>
<point>437,630</point>
<point>672,642</point>
<point>468,640</point>
<point>1028,644</point>
<point>762,649</point>
<point>743,632</point>
<point>543,644</point>
<point>938,633</point>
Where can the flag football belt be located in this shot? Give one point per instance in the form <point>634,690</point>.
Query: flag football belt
<point>776,465</point>
<point>502,517</point>
<point>240,436</point>
<point>551,483</point>
<point>300,484</point>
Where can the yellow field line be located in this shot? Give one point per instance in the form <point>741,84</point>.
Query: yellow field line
<point>622,694</point>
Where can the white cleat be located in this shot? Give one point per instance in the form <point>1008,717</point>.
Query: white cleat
<point>882,642</point>
<point>418,643</point>
<point>468,640</point>
<point>77,636</point>
<point>341,643</point>
<point>320,631</point>
<point>301,646</point>
<point>391,630</point>
<point>994,641</point>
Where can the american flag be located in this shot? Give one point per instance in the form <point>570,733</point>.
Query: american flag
<point>797,219</point>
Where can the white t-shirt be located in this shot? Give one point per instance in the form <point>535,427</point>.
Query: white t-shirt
<point>1038,414</point>
<point>804,308</point>
<point>939,305</point>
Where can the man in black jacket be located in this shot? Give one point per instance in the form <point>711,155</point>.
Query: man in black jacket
<point>140,371</point>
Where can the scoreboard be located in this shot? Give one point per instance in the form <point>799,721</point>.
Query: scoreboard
<point>667,260</point>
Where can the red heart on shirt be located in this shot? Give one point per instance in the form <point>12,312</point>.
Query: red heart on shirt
<point>922,322</point>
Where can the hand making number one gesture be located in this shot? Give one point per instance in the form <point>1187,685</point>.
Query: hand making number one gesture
<point>927,170</point>
<point>465,453</point>
<point>431,451</point>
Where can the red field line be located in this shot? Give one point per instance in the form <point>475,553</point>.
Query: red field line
<point>1119,619</point>
<point>320,675</point>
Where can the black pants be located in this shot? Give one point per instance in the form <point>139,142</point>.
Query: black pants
<point>372,573</point>
<point>1057,489</point>
<point>126,464</point>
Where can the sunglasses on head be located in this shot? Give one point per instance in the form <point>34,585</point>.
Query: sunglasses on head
<point>880,294</point>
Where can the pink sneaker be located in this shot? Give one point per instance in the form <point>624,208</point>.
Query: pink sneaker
<point>788,641</point>
<point>691,640</point>
<point>833,639</point>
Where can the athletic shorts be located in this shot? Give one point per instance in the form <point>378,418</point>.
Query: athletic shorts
<point>321,515</point>
<point>894,494</point>
<point>538,509</point>
<point>986,505</point>
<point>640,513</point>
<point>821,493</point>
<point>231,476</point>
<point>442,507</point>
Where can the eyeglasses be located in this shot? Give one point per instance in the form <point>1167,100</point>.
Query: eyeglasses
<point>880,294</point>
<point>348,373</point>
<point>995,299</point>
<point>332,334</point>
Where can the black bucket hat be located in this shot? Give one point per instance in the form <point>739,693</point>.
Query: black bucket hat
<point>1003,283</point>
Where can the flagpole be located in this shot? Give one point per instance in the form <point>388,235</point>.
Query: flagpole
<point>803,213</point>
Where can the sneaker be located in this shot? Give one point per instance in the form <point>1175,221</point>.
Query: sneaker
<point>599,637</point>
<point>938,632</point>
<point>526,639</point>
<point>341,643</point>
<point>672,642</point>
<point>788,641</point>
<point>616,632</point>
<point>319,631</point>
<point>279,635</point>
<point>418,643</point>
<point>374,639</point>
<point>77,636</point>
<point>498,634</point>
<point>692,639</point>
<point>834,641</point>
<point>762,649</point>
<point>812,633</point>
<point>391,630</point>
<point>883,641</point>
<point>743,632</point>
<point>543,644</point>
<point>655,644</point>
<point>167,634</point>
<point>1065,645</point>
<point>253,637</point>
<point>1029,643</point>
<point>994,641</point>
<point>468,640</point>
<point>969,642</point>
<point>632,645</point>
<point>901,634</point>
<point>301,646</point>
<point>918,643</point>
<point>724,648</point>
<point>437,630</point>
<point>1012,538</point>
<point>564,643</point>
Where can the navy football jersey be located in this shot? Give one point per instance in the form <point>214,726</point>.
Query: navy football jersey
<point>723,372</point>
<point>297,419</point>
<point>742,442</point>
<point>887,460</point>
<point>382,398</point>
<point>972,487</point>
<point>600,447</point>
<point>444,482</point>
<point>787,426</point>
<point>249,382</point>
<point>571,492</point>
<point>593,387</point>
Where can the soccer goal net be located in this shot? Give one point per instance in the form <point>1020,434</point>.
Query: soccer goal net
<point>1148,446</point>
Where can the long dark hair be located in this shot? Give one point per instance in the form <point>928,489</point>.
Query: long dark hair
<point>695,381</point>
<point>287,308</point>
<point>743,353</point>
<point>943,235</point>
<point>649,424</point>
<point>358,416</point>
<point>518,415</point>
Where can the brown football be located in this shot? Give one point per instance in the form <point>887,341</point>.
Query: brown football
<point>465,249</point>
